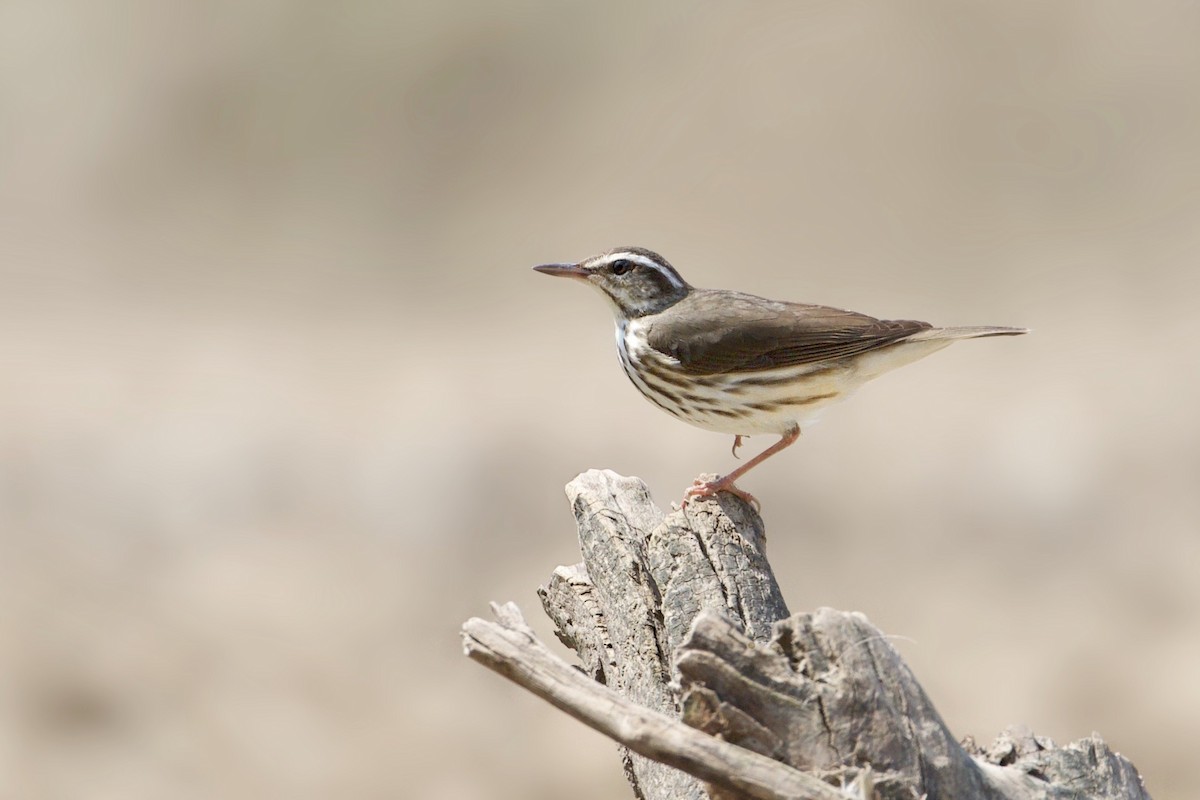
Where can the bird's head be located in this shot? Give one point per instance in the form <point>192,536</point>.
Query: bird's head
<point>636,281</point>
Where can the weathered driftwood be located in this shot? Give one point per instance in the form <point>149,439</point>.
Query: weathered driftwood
<point>691,661</point>
<point>510,647</point>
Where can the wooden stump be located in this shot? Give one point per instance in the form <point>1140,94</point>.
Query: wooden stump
<point>691,661</point>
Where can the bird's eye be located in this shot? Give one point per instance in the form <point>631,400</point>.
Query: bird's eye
<point>621,266</point>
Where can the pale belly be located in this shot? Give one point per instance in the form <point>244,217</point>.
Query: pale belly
<point>766,402</point>
<point>747,409</point>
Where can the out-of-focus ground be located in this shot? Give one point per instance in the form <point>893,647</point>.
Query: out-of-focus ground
<point>281,403</point>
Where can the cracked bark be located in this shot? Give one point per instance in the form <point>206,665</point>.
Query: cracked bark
<point>677,618</point>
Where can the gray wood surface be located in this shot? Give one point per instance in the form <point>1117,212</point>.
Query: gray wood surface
<point>691,661</point>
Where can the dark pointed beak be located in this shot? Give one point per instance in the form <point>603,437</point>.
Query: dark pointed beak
<point>566,270</point>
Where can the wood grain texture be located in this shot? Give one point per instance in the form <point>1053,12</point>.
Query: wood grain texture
<point>510,647</point>
<point>682,632</point>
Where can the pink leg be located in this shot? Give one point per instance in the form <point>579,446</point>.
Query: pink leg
<point>725,483</point>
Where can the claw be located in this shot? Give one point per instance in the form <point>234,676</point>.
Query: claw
<point>701,488</point>
<point>737,442</point>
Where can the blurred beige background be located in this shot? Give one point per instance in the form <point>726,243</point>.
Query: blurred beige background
<point>281,403</point>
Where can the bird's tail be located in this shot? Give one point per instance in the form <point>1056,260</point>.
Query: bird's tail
<point>966,332</point>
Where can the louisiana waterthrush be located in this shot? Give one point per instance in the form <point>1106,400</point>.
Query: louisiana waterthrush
<point>735,363</point>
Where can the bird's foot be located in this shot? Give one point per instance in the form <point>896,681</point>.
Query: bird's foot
<point>737,442</point>
<point>702,488</point>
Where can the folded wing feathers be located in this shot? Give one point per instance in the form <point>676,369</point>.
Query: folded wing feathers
<point>745,333</point>
<point>711,333</point>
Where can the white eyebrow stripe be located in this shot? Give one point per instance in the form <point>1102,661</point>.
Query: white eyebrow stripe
<point>646,262</point>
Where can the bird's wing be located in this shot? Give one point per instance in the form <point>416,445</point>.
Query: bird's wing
<point>711,332</point>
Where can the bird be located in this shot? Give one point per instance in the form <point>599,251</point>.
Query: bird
<point>734,363</point>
